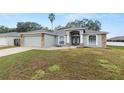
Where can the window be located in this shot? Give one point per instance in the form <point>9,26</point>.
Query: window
<point>61,39</point>
<point>92,40</point>
<point>84,31</point>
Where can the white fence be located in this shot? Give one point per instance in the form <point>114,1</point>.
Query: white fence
<point>116,43</point>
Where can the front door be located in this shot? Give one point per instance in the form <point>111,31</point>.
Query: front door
<point>75,40</point>
<point>75,37</point>
<point>16,42</point>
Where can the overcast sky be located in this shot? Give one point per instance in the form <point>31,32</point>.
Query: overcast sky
<point>112,23</point>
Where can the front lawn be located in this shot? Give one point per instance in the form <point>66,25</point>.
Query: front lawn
<point>79,63</point>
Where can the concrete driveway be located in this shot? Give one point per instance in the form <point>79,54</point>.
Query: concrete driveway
<point>9,51</point>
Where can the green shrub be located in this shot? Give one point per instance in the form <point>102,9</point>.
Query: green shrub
<point>54,68</point>
<point>102,61</point>
<point>39,74</point>
<point>108,65</point>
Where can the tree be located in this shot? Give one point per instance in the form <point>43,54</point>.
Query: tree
<point>68,24</point>
<point>58,27</point>
<point>90,25</point>
<point>85,23</point>
<point>45,28</point>
<point>12,30</point>
<point>75,23</point>
<point>94,25</point>
<point>51,18</point>
<point>28,26</point>
<point>4,29</point>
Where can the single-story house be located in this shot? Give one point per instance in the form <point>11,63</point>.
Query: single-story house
<point>9,39</point>
<point>62,37</point>
<point>116,39</point>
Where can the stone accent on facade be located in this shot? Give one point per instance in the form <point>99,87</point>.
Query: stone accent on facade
<point>103,41</point>
<point>81,45</point>
<point>42,40</point>
<point>21,40</point>
<point>68,44</point>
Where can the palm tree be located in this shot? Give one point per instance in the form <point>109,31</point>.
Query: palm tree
<point>51,18</point>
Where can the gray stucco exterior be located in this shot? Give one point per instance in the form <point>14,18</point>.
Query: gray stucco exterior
<point>98,41</point>
<point>62,37</point>
<point>83,38</point>
<point>50,40</point>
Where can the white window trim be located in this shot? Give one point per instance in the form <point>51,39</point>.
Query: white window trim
<point>96,40</point>
<point>60,40</point>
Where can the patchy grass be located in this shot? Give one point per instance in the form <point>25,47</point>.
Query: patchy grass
<point>54,68</point>
<point>108,65</point>
<point>116,47</point>
<point>68,64</point>
<point>39,74</point>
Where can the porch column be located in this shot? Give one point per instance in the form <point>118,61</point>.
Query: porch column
<point>42,40</point>
<point>21,40</point>
<point>64,40</point>
<point>58,40</point>
<point>81,38</point>
<point>67,38</point>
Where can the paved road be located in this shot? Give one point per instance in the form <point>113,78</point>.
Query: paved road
<point>9,51</point>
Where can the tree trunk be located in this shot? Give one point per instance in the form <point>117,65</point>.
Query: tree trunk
<point>51,25</point>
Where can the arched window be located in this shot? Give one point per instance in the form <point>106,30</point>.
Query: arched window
<point>92,40</point>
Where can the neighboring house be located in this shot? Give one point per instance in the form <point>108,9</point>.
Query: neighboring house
<point>8,39</point>
<point>62,37</point>
<point>117,41</point>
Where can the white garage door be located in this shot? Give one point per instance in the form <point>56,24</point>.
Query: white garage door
<point>32,41</point>
<point>3,41</point>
